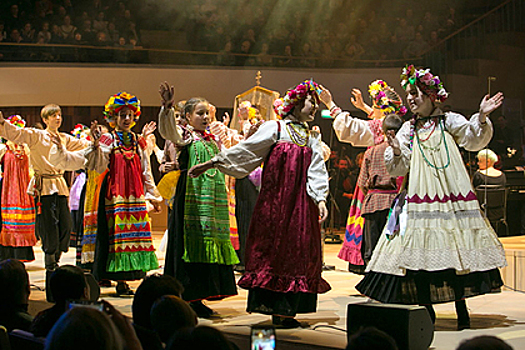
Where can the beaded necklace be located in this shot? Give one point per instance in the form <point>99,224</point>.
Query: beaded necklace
<point>214,150</point>
<point>126,143</point>
<point>299,139</point>
<point>420,142</point>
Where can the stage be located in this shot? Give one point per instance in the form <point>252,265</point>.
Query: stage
<point>502,315</point>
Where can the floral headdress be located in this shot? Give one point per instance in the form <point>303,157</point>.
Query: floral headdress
<point>16,120</point>
<point>117,102</point>
<point>81,132</point>
<point>380,99</point>
<point>430,84</point>
<point>284,105</point>
<point>253,113</point>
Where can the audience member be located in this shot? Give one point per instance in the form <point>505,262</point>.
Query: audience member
<point>66,283</point>
<point>169,314</point>
<point>484,342</point>
<point>14,295</point>
<point>371,338</point>
<point>86,328</point>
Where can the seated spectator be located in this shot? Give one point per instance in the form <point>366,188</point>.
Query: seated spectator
<point>243,59</point>
<point>102,40</point>
<point>353,49</point>
<point>287,60</point>
<point>152,287</point>
<point>14,295</point>
<point>44,33</point>
<point>66,283</point>
<point>67,30</point>
<point>264,58</point>
<point>484,342</point>
<point>487,174</point>
<point>56,35</point>
<point>170,314</point>
<point>113,34</point>
<point>86,328</point>
<point>416,47</point>
<point>225,56</point>
<point>3,33</point>
<point>88,34</point>
<point>28,33</point>
<point>371,338</point>
<point>199,338</point>
<point>15,37</point>
<point>100,24</point>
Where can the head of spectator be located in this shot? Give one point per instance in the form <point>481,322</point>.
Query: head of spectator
<point>84,328</point>
<point>68,283</point>
<point>86,25</point>
<point>371,338</point>
<point>484,342</point>
<point>486,159</point>
<point>246,46</point>
<point>169,314</point>
<point>67,21</point>
<point>15,36</point>
<point>121,41</point>
<point>199,338</point>
<point>14,11</point>
<point>152,287</point>
<point>14,295</point>
<point>288,50</point>
<point>45,26</point>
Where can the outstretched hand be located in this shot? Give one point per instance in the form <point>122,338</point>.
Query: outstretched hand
<point>325,96</point>
<point>358,102</point>
<point>167,94</point>
<point>57,141</point>
<point>226,119</point>
<point>149,129</point>
<point>199,169</point>
<point>393,142</point>
<point>489,104</point>
<point>323,212</point>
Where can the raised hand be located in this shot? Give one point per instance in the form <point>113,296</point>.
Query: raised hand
<point>226,118</point>
<point>358,102</point>
<point>167,94</point>
<point>489,104</point>
<point>325,96</point>
<point>149,129</point>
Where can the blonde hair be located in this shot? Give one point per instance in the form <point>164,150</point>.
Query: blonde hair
<point>487,154</point>
<point>49,110</point>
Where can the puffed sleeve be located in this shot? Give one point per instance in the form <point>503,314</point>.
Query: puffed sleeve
<point>399,165</point>
<point>240,160</point>
<point>317,175</point>
<point>469,134</point>
<point>352,130</point>
<point>67,160</point>
<point>97,157</point>
<point>28,136</point>
<point>169,129</point>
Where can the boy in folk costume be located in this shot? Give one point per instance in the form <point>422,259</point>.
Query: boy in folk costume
<point>53,221</point>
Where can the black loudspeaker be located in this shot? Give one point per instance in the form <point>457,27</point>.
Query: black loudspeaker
<point>94,288</point>
<point>410,326</point>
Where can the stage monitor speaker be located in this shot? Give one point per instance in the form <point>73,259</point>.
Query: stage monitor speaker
<point>409,325</point>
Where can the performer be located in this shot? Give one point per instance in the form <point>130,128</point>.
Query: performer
<point>124,248</point>
<point>53,221</point>
<point>283,248</point>
<point>379,189</point>
<point>18,208</point>
<point>199,253</point>
<point>361,133</point>
<point>447,251</point>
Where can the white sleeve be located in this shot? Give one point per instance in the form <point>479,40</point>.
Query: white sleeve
<point>399,165</point>
<point>317,175</point>
<point>469,134</point>
<point>353,130</point>
<point>169,129</point>
<point>67,160</point>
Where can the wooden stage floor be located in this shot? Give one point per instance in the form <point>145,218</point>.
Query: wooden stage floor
<point>502,314</point>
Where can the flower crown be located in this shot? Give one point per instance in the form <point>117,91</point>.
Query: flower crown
<point>16,120</point>
<point>117,102</point>
<point>284,105</point>
<point>380,100</point>
<point>430,84</point>
<point>80,131</point>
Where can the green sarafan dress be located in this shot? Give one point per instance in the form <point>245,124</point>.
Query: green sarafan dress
<point>200,253</point>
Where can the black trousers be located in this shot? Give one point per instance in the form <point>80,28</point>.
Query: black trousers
<point>374,224</point>
<point>53,226</point>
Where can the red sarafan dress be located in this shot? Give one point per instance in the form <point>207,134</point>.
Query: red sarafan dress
<point>18,208</point>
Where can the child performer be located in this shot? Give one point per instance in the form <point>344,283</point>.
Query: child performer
<point>360,133</point>
<point>200,253</point>
<point>18,208</point>
<point>378,187</point>
<point>124,248</point>
<point>283,248</point>
<point>447,252</point>
<point>53,220</point>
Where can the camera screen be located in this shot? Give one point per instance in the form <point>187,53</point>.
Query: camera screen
<point>263,339</point>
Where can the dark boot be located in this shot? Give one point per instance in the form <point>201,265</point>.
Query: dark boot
<point>49,295</point>
<point>123,288</point>
<point>463,316</point>
<point>51,265</point>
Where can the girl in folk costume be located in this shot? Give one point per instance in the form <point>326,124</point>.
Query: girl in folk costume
<point>18,208</point>
<point>361,133</point>
<point>124,248</point>
<point>283,248</point>
<point>446,251</point>
<point>200,253</point>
